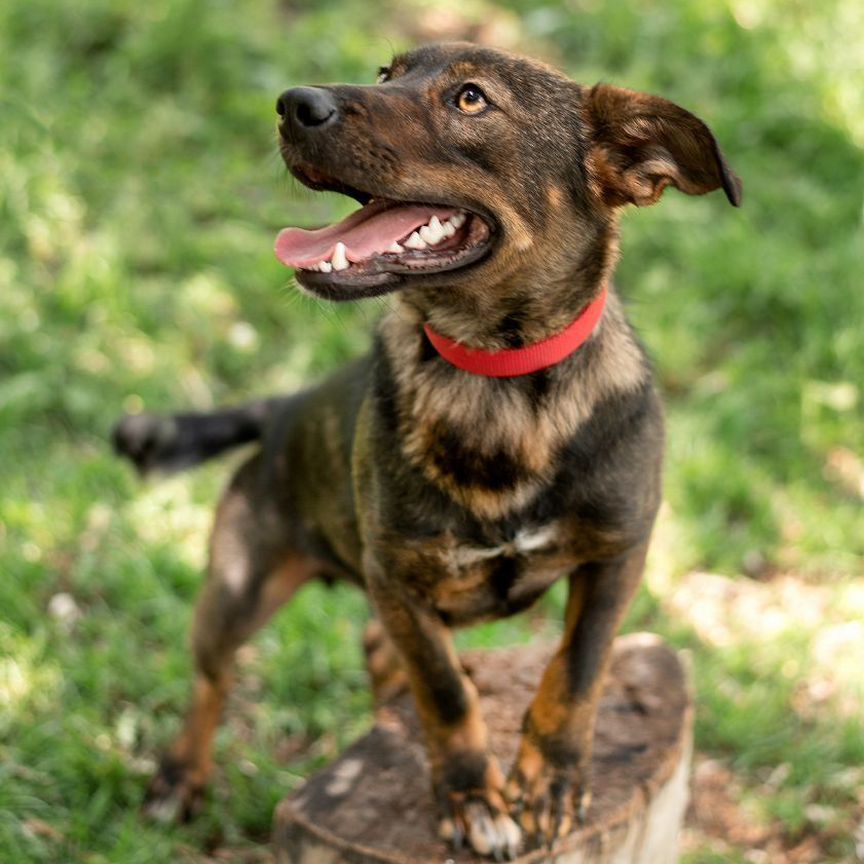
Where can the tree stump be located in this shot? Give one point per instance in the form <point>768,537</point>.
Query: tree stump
<point>373,804</point>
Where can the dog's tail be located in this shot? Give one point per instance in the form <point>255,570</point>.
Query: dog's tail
<point>172,442</point>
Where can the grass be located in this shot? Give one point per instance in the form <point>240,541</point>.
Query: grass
<point>139,195</point>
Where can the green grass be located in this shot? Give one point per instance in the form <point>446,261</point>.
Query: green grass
<point>140,192</point>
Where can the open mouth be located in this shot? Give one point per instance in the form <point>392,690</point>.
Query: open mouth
<point>375,248</point>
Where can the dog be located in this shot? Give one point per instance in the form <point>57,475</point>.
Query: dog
<point>503,433</point>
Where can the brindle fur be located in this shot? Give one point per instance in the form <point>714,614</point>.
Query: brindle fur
<point>454,498</point>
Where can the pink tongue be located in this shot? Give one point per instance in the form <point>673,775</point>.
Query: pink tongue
<point>366,232</point>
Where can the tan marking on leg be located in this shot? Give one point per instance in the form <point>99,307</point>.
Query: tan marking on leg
<point>383,663</point>
<point>194,746</point>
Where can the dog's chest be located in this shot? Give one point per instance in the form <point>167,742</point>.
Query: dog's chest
<point>479,582</point>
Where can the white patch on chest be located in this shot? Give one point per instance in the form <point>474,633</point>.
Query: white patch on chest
<point>525,541</point>
<point>531,541</point>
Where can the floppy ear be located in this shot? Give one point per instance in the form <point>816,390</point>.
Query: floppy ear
<point>640,144</point>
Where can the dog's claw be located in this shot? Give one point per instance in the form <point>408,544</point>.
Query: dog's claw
<point>548,801</point>
<point>582,808</point>
<point>557,822</point>
<point>458,839</point>
<point>485,829</point>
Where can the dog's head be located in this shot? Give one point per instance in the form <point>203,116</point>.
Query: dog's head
<point>475,167</point>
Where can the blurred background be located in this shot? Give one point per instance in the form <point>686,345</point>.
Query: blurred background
<point>140,193</point>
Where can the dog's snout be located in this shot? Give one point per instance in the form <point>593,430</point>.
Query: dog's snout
<point>307,107</point>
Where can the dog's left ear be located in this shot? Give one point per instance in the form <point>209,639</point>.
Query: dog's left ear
<point>640,144</point>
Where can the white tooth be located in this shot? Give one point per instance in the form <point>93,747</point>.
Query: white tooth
<point>436,230</point>
<point>395,247</point>
<point>458,219</point>
<point>325,266</point>
<point>436,226</point>
<point>414,242</point>
<point>340,262</point>
<point>311,267</point>
<point>428,235</point>
<point>448,228</point>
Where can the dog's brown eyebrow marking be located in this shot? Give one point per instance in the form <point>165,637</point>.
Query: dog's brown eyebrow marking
<point>464,69</point>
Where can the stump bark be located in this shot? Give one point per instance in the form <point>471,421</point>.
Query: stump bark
<point>373,804</point>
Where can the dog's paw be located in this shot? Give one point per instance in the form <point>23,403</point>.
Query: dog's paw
<point>173,794</point>
<point>476,819</point>
<point>547,800</point>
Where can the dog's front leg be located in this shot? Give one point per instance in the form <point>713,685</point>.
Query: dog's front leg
<point>467,782</point>
<point>547,787</point>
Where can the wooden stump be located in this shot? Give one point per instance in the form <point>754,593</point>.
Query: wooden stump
<point>373,804</point>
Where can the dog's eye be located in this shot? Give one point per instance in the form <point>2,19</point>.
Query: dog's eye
<point>471,99</point>
<point>383,74</point>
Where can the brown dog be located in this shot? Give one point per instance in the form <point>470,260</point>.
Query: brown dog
<point>454,488</point>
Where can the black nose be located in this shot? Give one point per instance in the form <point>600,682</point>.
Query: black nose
<point>306,106</point>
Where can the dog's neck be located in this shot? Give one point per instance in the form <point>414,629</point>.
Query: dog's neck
<point>514,316</point>
<point>536,356</point>
<point>534,301</point>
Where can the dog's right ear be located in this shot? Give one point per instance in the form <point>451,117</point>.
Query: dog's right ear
<point>640,144</point>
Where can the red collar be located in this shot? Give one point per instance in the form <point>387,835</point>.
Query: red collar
<point>510,362</point>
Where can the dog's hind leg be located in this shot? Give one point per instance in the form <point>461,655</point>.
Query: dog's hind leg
<point>253,570</point>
